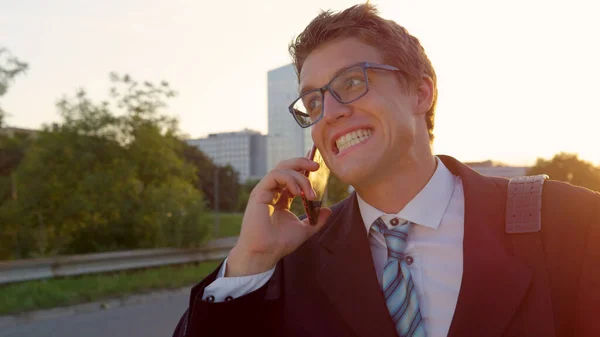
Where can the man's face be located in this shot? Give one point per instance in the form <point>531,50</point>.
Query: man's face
<point>386,122</point>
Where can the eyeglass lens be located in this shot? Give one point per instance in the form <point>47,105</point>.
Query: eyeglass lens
<point>344,87</point>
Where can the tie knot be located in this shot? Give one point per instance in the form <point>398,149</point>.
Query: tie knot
<point>395,238</point>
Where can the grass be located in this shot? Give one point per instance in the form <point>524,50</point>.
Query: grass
<point>43,294</point>
<point>229,223</point>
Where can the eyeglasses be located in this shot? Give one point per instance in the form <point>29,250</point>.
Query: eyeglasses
<point>346,87</point>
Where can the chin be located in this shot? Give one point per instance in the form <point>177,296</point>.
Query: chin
<point>354,174</point>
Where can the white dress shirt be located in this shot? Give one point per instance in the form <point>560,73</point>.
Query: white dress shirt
<point>435,243</point>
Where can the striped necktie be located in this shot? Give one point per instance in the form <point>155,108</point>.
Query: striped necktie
<point>398,286</point>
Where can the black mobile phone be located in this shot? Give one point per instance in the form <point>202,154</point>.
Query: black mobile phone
<point>318,181</point>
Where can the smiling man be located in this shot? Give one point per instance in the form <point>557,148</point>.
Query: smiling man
<point>420,248</point>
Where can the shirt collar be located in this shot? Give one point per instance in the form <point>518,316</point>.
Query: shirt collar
<point>427,208</point>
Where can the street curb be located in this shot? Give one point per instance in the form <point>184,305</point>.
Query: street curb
<point>109,303</point>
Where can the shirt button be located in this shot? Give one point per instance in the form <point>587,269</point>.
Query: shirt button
<point>228,298</point>
<point>409,260</point>
<point>394,222</point>
<point>210,299</point>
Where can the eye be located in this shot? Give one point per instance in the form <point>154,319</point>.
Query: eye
<point>314,104</point>
<point>355,82</point>
<point>314,108</point>
<point>311,102</point>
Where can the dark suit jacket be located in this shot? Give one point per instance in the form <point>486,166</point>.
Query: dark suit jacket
<point>328,287</point>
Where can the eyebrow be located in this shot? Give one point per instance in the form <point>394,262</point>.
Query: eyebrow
<point>304,90</point>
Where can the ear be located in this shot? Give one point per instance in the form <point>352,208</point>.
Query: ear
<point>425,93</point>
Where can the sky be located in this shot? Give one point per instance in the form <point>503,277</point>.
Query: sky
<point>517,79</point>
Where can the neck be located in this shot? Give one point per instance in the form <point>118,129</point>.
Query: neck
<point>391,192</point>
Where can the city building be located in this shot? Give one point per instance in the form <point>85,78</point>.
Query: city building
<point>245,151</point>
<point>285,139</point>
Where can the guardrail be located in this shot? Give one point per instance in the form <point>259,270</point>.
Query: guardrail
<point>35,269</point>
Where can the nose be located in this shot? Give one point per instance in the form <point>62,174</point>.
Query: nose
<point>334,110</point>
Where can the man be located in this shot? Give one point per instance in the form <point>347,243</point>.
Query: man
<point>420,248</point>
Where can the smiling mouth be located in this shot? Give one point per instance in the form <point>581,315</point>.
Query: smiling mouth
<point>351,139</point>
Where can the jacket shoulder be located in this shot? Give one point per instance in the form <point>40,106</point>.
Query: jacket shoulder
<point>559,196</point>
<point>563,200</point>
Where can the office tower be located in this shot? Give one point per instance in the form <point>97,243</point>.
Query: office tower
<point>285,139</point>
<point>245,151</point>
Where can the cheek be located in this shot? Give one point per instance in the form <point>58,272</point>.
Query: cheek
<point>316,134</point>
<point>399,110</point>
<point>388,110</point>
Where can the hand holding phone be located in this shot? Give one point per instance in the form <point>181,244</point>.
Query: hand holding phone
<point>269,230</point>
<point>318,180</point>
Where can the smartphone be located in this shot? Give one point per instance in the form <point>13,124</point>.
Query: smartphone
<point>318,181</point>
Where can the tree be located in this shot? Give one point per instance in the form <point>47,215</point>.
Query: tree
<point>569,168</point>
<point>110,176</point>
<point>206,171</point>
<point>75,195</point>
<point>10,68</point>
<point>12,148</point>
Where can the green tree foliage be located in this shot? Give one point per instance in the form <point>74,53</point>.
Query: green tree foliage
<point>229,188</point>
<point>110,176</point>
<point>10,68</point>
<point>171,216</point>
<point>12,147</point>
<point>569,168</point>
<point>12,150</point>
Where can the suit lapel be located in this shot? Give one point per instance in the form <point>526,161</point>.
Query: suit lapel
<point>494,283</point>
<point>348,276</point>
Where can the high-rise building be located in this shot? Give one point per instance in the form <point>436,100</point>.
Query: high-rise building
<point>245,151</point>
<point>285,138</point>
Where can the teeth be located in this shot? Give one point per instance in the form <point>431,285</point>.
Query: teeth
<point>352,138</point>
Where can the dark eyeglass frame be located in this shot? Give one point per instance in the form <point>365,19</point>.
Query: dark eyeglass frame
<point>363,65</point>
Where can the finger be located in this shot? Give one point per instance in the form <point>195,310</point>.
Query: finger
<point>304,184</point>
<point>271,187</point>
<point>282,179</point>
<point>294,181</point>
<point>298,164</point>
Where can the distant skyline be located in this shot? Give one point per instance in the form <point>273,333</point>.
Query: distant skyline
<point>517,80</point>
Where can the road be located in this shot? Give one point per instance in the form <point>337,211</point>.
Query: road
<point>156,318</point>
